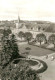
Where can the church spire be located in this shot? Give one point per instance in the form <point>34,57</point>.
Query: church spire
<point>18,19</point>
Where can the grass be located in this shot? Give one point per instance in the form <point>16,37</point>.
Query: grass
<point>35,51</point>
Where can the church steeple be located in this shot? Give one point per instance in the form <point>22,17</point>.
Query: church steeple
<point>18,19</point>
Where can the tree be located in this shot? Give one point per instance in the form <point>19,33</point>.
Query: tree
<point>39,28</point>
<point>40,38</point>
<point>10,49</point>
<point>28,36</point>
<point>14,47</point>
<point>6,50</point>
<point>13,38</point>
<point>52,39</point>
<point>7,32</point>
<point>21,34</point>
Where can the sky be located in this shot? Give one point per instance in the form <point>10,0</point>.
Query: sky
<point>27,10</point>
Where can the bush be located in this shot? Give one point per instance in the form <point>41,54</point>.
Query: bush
<point>32,63</point>
<point>21,72</point>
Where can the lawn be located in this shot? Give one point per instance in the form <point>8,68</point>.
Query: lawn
<point>36,51</point>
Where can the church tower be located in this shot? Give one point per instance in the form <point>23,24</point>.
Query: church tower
<point>18,22</point>
<point>18,19</point>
